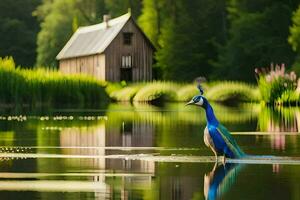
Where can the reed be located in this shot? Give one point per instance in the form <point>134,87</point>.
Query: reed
<point>32,88</point>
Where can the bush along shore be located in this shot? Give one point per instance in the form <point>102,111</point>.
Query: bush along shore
<point>160,91</point>
<point>277,87</point>
<point>21,87</point>
<point>40,87</point>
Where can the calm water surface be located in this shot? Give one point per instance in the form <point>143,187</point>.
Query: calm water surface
<point>100,154</point>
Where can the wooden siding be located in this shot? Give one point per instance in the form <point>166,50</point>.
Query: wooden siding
<point>91,65</point>
<point>140,50</point>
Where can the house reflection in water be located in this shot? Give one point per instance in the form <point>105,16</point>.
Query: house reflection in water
<point>87,139</point>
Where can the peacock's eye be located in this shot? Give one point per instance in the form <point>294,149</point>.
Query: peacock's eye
<point>196,98</point>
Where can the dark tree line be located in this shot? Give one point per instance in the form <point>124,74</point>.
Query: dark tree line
<point>219,39</point>
<point>18,30</point>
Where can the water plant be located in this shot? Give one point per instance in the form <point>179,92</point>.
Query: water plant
<point>276,85</point>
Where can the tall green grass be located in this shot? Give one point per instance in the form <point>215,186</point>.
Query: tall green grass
<point>227,91</point>
<point>50,88</point>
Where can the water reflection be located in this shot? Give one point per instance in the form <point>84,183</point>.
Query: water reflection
<point>220,180</point>
<point>279,120</point>
<point>145,126</point>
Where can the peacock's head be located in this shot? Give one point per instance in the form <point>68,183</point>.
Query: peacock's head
<point>198,100</point>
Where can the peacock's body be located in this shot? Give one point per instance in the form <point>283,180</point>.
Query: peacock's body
<point>216,136</point>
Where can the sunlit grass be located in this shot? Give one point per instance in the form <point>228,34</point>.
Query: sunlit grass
<point>162,91</point>
<point>172,91</point>
<point>45,87</point>
<point>186,92</point>
<point>237,91</point>
<point>126,93</point>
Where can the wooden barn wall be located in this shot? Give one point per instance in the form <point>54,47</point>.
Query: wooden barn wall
<point>93,65</point>
<point>140,50</point>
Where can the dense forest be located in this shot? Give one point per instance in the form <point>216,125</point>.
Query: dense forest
<point>219,39</point>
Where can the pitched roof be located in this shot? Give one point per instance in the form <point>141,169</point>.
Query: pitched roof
<point>93,39</point>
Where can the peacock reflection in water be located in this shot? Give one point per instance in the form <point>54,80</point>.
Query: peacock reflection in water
<point>220,179</point>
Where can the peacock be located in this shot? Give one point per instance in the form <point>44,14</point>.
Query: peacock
<point>216,136</point>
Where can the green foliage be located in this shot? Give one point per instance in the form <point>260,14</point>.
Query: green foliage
<point>227,91</point>
<point>171,91</point>
<point>40,87</point>
<point>288,97</point>
<point>126,93</point>
<point>187,92</point>
<point>157,91</point>
<point>276,85</point>
<point>294,38</point>
<point>119,7</point>
<point>257,36</point>
<point>60,18</point>
<point>18,30</point>
<point>112,87</point>
<point>56,29</point>
<point>189,38</point>
<point>151,19</point>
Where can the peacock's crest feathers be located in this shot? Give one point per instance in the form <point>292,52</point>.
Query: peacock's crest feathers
<point>199,81</point>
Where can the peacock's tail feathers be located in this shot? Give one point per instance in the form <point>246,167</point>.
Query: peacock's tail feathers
<point>231,143</point>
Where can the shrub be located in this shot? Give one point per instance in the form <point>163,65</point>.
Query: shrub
<point>232,91</point>
<point>157,91</point>
<point>126,93</point>
<point>187,92</point>
<point>274,82</point>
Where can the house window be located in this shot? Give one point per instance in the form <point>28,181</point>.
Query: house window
<point>127,62</point>
<point>127,38</point>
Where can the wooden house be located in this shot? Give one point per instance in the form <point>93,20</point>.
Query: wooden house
<point>113,50</point>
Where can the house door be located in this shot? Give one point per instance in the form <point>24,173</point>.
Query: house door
<point>126,74</point>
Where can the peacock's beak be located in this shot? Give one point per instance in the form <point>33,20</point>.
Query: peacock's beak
<point>189,103</point>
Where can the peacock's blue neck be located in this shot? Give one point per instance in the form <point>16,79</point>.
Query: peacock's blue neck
<point>210,116</point>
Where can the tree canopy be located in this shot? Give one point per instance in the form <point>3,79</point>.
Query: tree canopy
<point>18,30</point>
<point>219,39</point>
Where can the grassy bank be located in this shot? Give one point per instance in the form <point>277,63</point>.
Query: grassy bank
<point>31,88</point>
<point>170,91</point>
<point>41,87</point>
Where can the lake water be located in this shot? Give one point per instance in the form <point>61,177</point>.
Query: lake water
<point>146,152</point>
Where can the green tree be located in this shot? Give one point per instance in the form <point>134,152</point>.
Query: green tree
<point>189,38</point>
<point>294,39</point>
<point>120,7</point>
<point>59,19</point>
<point>18,30</point>
<point>151,19</point>
<point>257,36</point>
